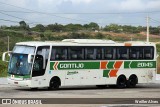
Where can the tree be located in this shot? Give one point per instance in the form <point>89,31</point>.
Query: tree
<point>113,27</point>
<point>39,28</point>
<point>86,26</point>
<point>154,30</point>
<point>23,25</point>
<point>93,26</point>
<point>55,27</point>
<point>72,27</point>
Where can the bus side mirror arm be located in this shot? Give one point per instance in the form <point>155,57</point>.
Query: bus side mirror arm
<point>4,56</point>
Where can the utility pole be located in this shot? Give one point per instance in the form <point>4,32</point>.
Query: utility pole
<point>148,28</point>
<point>8,43</point>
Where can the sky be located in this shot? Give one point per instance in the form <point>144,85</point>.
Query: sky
<point>103,12</point>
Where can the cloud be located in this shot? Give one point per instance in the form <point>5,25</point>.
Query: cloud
<point>136,5</point>
<point>83,6</point>
<point>79,1</point>
<point>21,3</point>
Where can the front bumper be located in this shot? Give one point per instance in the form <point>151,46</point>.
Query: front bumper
<point>19,82</point>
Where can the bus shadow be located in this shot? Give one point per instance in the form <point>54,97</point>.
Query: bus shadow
<point>62,88</point>
<point>76,88</point>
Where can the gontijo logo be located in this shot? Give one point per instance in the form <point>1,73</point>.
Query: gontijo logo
<point>66,65</point>
<point>73,65</point>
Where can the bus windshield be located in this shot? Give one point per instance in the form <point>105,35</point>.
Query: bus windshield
<point>18,64</point>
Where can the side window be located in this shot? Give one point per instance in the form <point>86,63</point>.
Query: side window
<point>59,53</point>
<point>134,53</point>
<point>90,53</point>
<point>108,53</point>
<point>140,53</point>
<point>44,51</point>
<point>41,60</point>
<point>122,53</point>
<point>99,53</point>
<point>76,53</point>
<point>148,52</point>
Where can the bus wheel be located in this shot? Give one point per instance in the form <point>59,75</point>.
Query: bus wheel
<point>132,81</point>
<point>54,83</point>
<point>121,82</point>
<point>101,86</point>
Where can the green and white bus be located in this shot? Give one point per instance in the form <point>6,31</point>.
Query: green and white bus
<point>72,62</point>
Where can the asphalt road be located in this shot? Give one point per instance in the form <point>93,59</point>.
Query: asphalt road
<point>141,91</point>
<point>151,90</point>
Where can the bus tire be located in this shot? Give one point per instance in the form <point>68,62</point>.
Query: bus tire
<point>54,83</point>
<point>101,86</point>
<point>132,81</point>
<point>121,82</point>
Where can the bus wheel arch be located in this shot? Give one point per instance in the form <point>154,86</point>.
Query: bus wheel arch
<point>54,83</point>
<point>132,81</point>
<point>121,81</point>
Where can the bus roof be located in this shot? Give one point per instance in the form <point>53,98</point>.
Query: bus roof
<point>85,42</point>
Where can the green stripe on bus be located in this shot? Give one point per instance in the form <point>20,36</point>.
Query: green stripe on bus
<point>74,65</point>
<point>96,65</point>
<point>106,73</point>
<point>140,64</point>
<point>110,65</point>
<point>18,76</point>
<point>52,65</point>
<point>126,64</point>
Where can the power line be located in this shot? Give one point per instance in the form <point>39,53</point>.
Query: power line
<point>142,12</point>
<point>53,14</point>
<point>155,20</point>
<point>69,23</point>
<point>11,16</point>
<point>61,17</point>
<point>9,20</point>
<point>19,18</point>
<point>44,13</point>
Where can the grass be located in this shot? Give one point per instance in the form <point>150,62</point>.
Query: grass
<point>3,69</point>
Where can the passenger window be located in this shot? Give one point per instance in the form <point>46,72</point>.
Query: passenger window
<point>122,53</point>
<point>76,53</point>
<point>108,53</point>
<point>134,53</point>
<point>148,53</point>
<point>59,53</point>
<point>90,53</point>
<point>99,53</point>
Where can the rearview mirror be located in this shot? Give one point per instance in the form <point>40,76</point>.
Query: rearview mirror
<point>4,56</point>
<point>30,58</point>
